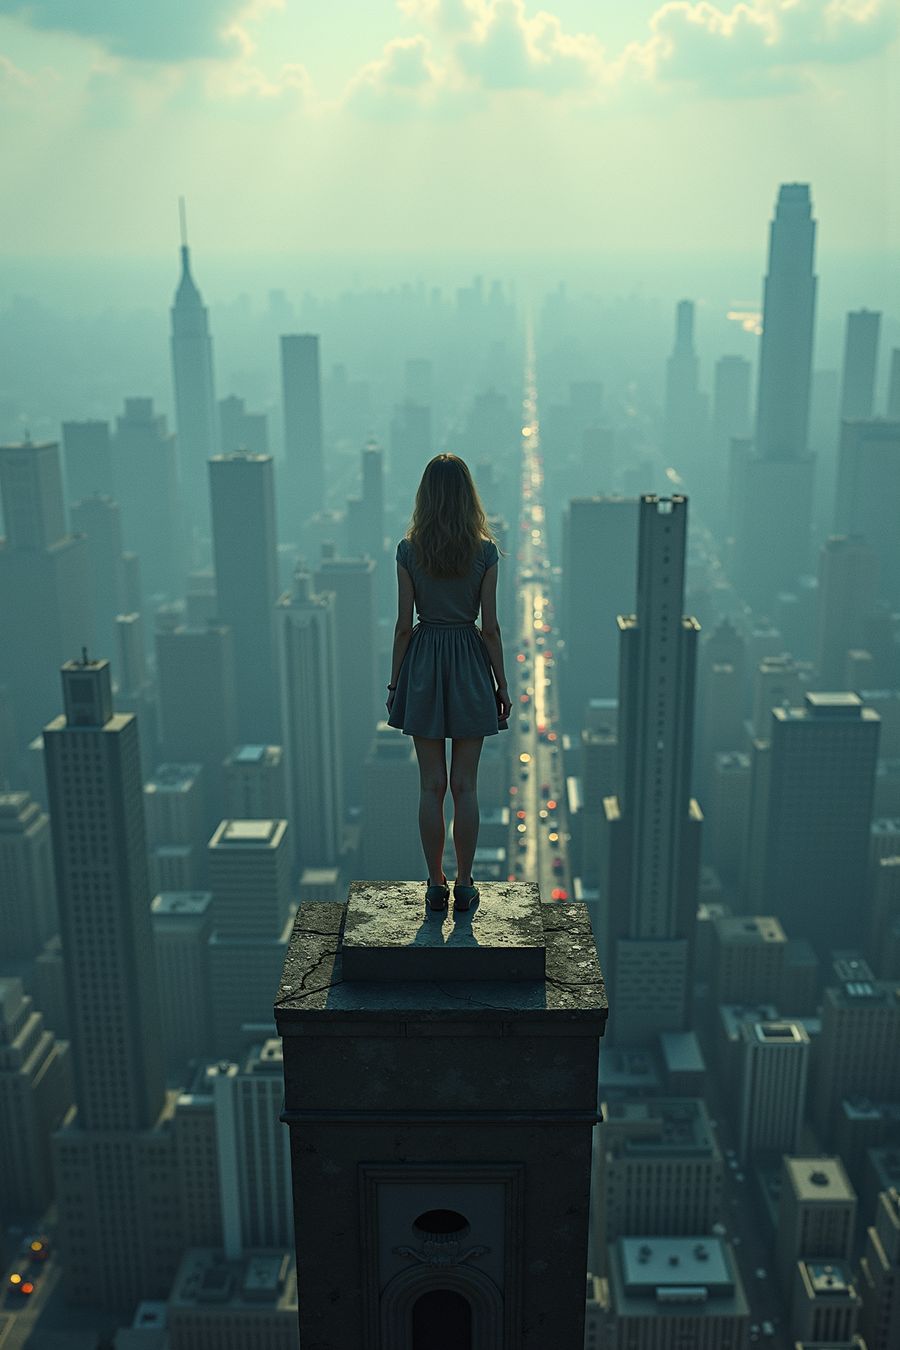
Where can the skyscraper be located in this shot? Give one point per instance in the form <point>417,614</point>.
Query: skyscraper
<point>98,518</point>
<point>814,787</point>
<point>304,471</point>
<point>148,492</point>
<point>308,664</point>
<point>776,488</point>
<point>100,856</point>
<point>848,584</point>
<point>860,363</point>
<point>242,502</point>
<point>45,600</point>
<point>599,554</point>
<point>197,703</point>
<point>352,581</point>
<point>114,1165</point>
<point>87,456</point>
<point>785,357</point>
<point>682,418</point>
<point>195,399</point>
<point>653,822</point>
<point>775,1059</point>
<point>868,489</point>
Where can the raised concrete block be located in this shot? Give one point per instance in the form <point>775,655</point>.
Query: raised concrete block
<point>389,935</point>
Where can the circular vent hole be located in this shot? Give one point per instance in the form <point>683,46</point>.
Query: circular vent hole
<point>443,1221</point>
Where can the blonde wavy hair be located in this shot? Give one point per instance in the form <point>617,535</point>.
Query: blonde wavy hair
<point>448,522</point>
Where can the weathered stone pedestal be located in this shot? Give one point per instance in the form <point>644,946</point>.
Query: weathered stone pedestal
<point>440,1089</point>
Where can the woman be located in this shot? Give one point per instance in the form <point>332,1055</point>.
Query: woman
<point>441,674</point>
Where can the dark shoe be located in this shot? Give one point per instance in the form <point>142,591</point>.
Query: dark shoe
<point>464,896</point>
<point>437,896</point>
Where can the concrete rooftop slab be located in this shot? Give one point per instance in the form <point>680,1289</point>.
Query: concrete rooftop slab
<point>385,938</point>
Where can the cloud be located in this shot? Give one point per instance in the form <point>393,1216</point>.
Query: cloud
<point>754,47</point>
<point>506,49</point>
<point>404,76</point>
<point>148,30</point>
<point>757,48</point>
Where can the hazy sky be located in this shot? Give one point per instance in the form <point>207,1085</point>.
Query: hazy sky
<point>385,125</point>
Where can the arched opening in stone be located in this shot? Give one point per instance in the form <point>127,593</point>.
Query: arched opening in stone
<point>442,1320</point>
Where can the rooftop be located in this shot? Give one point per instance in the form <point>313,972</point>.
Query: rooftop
<point>819,1179</point>
<point>661,1126</point>
<point>382,952</point>
<point>241,833</point>
<point>660,1266</point>
<point>749,930</point>
<point>264,1276</point>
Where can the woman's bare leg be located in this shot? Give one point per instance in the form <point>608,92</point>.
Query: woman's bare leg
<point>464,789</point>
<point>432,756</point>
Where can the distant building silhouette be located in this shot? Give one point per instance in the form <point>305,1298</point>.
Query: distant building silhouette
<point>352,582</point>
<point>684,414</point>
<point>776,489</point>
<point>198,704</point>
<point>153,523</point>
<point>599,555</point>
<point>650,894</point>
<point>868,489</point>
<point>303,491</point>
<point>45,584</point>
<point>860,364</point>
<point>242,503</point>
<point>390,838</point>
<point>196,421</point>
<point>88,461</point>
<point>311,704</point>
<point>242,430</point>
<point>99,519</point>
<point>255,784</point>
<point>848,587</point>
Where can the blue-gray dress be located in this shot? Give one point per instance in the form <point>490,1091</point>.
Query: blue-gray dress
<point>446,686</point>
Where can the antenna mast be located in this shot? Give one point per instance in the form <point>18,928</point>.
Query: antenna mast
<point>183,217</point>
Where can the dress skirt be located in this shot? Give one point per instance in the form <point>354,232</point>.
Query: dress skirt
<point>445,686</point>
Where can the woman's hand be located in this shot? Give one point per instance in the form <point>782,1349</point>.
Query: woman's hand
<point>504,706</point>
<point>389,702</point>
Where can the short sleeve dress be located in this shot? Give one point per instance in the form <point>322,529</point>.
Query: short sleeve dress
<point>446,685</point>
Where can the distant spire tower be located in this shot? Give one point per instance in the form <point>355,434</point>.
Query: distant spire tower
<point>195,400</point>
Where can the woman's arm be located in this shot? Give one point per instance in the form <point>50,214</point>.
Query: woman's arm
<point>403,626</point>
<point>490,629</point>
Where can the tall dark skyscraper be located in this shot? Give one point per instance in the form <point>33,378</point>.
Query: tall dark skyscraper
<point>304,474</point>
<point>653,822</point>
<point>775,491</point>
<point>789,304</point>
<point>811,811</point>
<point>196,417</point>
<point>114,1161</point>
<point>99,849</point>
<point>242,499</point>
